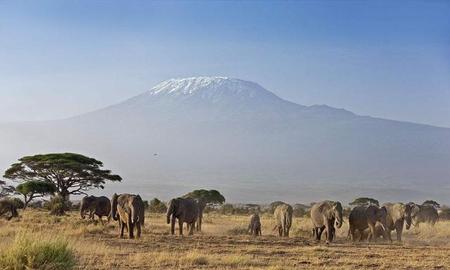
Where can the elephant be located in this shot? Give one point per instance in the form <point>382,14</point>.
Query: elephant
<point>283,218</point>
<point>254,227</point>
<point>397,215</point>
<point>324,215</point>
<point>128,209</point>
<point>423,213</point>
<point>6,206</point>
<point>185,210</point>
<point>363,217</point>
<point>100,206</point>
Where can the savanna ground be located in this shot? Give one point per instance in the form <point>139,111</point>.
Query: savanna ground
<point>224,245</point>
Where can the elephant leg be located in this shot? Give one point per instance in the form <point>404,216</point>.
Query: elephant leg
<point>191,229</point>
<point>172,226</point>
<point>399,230</point>
<point>387,234</point>
<point>130,227</point>
<point>199,223</point>
<point>329,228</point>
<point>371,233</point>
<point>316,233</point>
<point>138,228</point>
<point>131,230</point>
<point>352,232</point>
<point>122,228</point>
<point>319,233</point>
<point>180,226</point>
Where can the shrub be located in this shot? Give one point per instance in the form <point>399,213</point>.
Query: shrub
<point>444,214</point>
<point>34,252</point>
<point>238,230</point>
<point>58,206</point>
<point>157,206</point>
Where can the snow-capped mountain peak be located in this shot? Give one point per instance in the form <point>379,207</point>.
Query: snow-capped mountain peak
<point>209,87</point>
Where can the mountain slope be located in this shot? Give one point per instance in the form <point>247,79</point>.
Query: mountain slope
<point>236,136</point>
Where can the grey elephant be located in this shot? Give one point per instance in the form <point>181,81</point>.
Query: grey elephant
<point>324,216</point>
<point>185,210</point>
<point>99,206</point>
<point>397,215</point>
<point>423,214</point>
<point>283,219</point>
<point>128,209</point>
<point>254,227</point>
<point>363,217</point>
<point>8,206</point>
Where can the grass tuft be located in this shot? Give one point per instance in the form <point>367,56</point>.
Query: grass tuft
<point>30,251</point>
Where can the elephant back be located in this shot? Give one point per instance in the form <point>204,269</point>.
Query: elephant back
<point>319,211</point>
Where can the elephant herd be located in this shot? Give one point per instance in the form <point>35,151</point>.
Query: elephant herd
<point>128,210</point>
<point>365,222</point>
<point>368,222</point>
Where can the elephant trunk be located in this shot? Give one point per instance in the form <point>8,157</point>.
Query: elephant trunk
<point>408,222</point>
<point>82,209</point>
<point>339,220</point>
<point>170,211</point>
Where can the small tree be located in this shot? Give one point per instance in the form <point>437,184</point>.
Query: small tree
<point>157,206</point>
<point>207,196</point>
<point>432,203</point>
<point>70,173</point>
<point>35,189</point>
<point>364,201</point>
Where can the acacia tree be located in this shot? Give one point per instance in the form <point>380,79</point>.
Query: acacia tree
<point>365,201</point>
<point>35,189</point>
<point>432,203</point>
<point>71,173</point>
<point>207,196</point>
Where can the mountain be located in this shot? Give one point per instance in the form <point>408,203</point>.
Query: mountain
<point>236,136</point>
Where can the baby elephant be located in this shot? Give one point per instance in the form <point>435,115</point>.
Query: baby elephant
<point>254,227</point>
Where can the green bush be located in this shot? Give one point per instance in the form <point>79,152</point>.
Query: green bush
<point>58,206</point>
<point>157,206</point>
<point>33,252</point>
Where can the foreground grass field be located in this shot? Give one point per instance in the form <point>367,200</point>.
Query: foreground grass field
<point>223,245</point>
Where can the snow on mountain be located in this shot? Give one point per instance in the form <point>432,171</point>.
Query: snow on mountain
<point>212,88</point>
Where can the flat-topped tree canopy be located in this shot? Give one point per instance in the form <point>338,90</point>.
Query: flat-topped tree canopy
<point>207,196</point>
<point>364,201</point>
<point>71,173</point>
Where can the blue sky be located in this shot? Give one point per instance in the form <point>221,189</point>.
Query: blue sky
<point>387,59</point>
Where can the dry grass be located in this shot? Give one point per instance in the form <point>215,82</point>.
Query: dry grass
<point>223,245</point>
